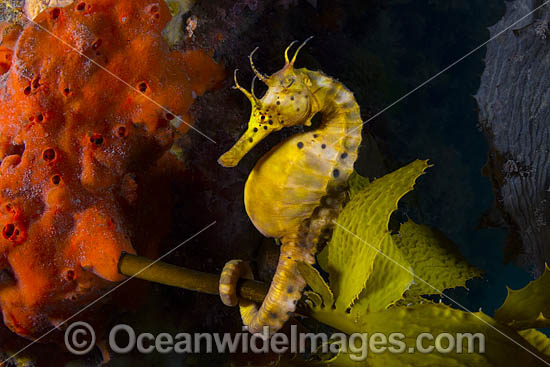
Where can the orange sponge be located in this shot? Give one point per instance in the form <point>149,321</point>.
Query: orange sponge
<point>74,140</point>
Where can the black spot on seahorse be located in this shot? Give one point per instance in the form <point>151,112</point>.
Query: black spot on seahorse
<point>300,145</point>
<point>273,315</point>
<point>336,173</point>
<point>290,289</point>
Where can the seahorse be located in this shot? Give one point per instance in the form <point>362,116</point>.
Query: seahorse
<point>296,190</point>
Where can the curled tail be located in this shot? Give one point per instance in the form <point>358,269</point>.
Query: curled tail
<point>283,295</point>
<point>287,284</point>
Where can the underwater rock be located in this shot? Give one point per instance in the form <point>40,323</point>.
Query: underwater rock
<point>515,117</point>
<point>84,132</point>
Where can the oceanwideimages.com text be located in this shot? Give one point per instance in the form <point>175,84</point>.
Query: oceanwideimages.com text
<point>80,339</point>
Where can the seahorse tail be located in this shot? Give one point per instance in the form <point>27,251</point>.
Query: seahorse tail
<point>231,273</point>
<point>285,290</point>
<point>287,284</point>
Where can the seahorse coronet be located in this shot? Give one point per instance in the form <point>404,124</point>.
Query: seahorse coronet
<point>296,190</point>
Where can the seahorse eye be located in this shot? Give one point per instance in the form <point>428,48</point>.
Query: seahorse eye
<point>288,82</point>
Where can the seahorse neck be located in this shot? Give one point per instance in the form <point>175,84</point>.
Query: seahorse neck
<point>335,103</point>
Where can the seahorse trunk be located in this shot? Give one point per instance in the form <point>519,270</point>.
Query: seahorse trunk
<point>296,191</point>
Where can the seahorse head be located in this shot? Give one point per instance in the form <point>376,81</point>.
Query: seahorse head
<point>287,102</point>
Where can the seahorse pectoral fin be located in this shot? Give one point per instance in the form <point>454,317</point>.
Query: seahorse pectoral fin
<point>252,136</point>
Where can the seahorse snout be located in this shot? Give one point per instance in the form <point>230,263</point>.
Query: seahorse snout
<point>228,160</point>
<point>252,136</point>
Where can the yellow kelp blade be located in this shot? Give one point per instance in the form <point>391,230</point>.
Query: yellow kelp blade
<point>173,32</point>
<point>391,277</point>
<point>437,263</point>
<point>357,183</point>
<point>316,283</point>
<point>503,346</point>
<point>180,6</point>
<point>322,258</point>
<point>528,307</point>
<point>361,228</point>
<point>537,339</point>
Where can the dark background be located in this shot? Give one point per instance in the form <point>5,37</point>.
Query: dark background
<point>381,50</point>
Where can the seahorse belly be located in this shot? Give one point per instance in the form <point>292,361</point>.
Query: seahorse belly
<point>285,187</point>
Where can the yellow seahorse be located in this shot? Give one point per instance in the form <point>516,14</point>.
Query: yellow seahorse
<point>296,190</point>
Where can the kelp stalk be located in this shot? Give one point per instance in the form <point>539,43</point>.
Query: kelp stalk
<point>175,276</point>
